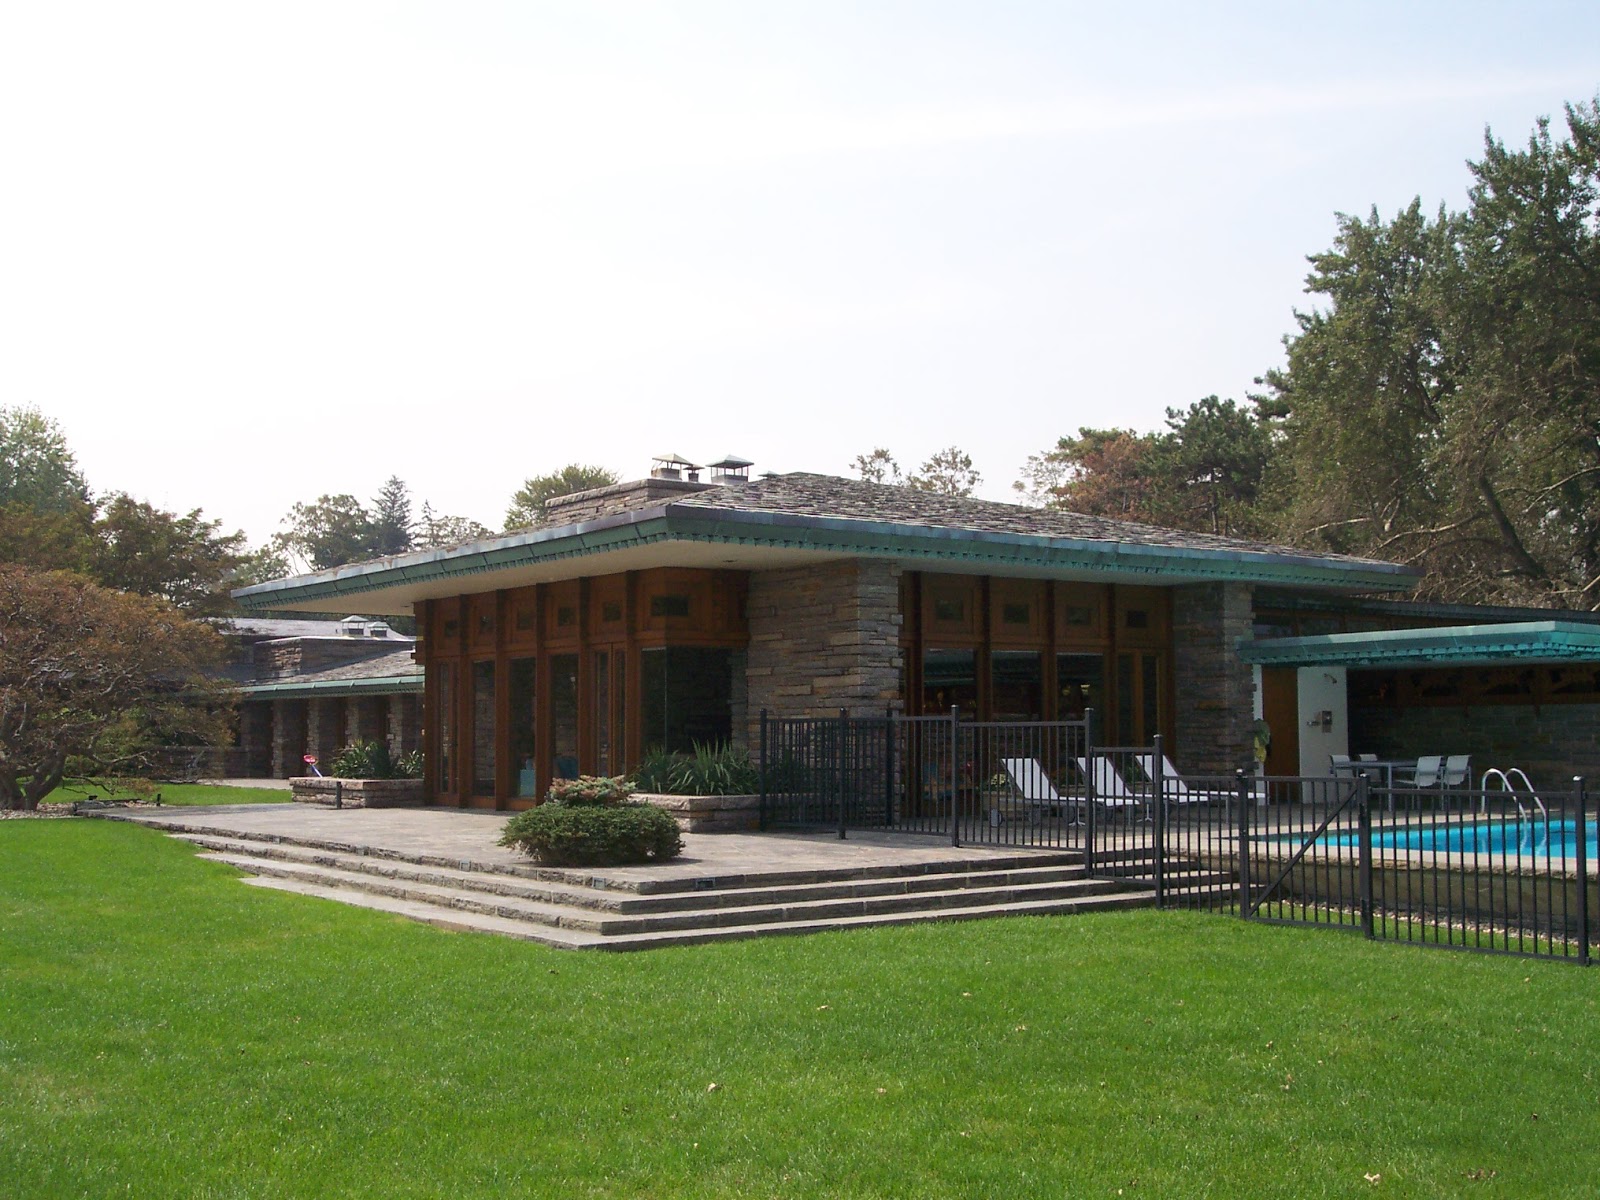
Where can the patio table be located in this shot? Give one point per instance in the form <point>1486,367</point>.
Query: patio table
<point>1386,767</point>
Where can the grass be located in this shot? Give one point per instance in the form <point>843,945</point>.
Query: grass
<point>176,793</point>
<point>165,1031</point>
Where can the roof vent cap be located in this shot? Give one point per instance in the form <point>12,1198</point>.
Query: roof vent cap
<point>353,627</point>
<point>731,469</point>
<point>674,466</point>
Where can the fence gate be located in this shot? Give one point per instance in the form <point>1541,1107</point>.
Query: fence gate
<point>1019,783</point>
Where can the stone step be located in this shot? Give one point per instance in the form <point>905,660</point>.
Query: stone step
<point>600,878</point>
<point>573,917</point>
<point>580,939</point>
<point>614,901</point>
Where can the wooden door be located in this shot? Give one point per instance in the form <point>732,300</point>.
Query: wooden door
<point>1280,704</point>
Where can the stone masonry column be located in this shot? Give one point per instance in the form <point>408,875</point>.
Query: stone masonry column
<point>823,638</point>
<point>322,730</point>
<point>255,738</point>
<point>405,723</point>
<point>288,738</point>
<point>366,719</point>
<point>1214,700</point>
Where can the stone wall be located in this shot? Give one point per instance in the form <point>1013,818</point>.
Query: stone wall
<point>357,793</point>
<point>288,738</point>
<point>324,735</point>
<point>1214,692</point>
<point>255,758</point>
<point>405,723</point>
<point>618,498</point>
<point>823,638</point>
<point>283,658</point>
<point>1550,742</point>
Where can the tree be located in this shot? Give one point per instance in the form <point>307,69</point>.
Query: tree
<point>186,560</point>
<point>97,682</point>
<point>528,504</point>
<point>879,466</point>
<point>330,533</point>
<point>435,529</point>
<point>1212,462</point>
<point>391,517</point>
<point>45,540</point>
<point>1101,472</point>
<point>36,467</point>
<point>949,472</point>
<point>1445,409</point>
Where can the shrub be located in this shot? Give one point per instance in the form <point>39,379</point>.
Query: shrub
<point>712,770</point>
<point>594,834</point>
<point>372,760</point>
<point>589,790</point>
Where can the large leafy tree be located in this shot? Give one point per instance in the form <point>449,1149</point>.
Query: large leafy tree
<point>949,472</point>
<point>1443,408</point>
<point>333,531</point>
<point>528,503</point>
<point>185,559</point>
<point>97,682</point>
<point>37,469</point>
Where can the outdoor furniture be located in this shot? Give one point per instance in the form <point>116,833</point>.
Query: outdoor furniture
<point>1367,758</point>
<point>1457,771</point>
<point>1425,775</point>
<point>1111,790</point>
<point>1033,787</point>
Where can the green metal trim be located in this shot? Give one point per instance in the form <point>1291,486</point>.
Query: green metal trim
<point>289,690</point>
<point>1524,641</point>
<point>856,538</point>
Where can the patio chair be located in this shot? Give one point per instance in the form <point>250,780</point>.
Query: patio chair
<point>1457,771</point>
<point>1341,767</point>
<point>1033,788</point>
<point>1111,790</point>
<point>1366,758</point>
<point>1429,768</point>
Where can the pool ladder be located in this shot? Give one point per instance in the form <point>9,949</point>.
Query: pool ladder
<point>1508,786</point>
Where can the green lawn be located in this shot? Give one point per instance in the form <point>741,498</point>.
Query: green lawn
<point>176,793</point>
<point>166,1031</point>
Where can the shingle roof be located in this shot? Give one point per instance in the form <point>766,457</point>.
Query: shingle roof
<point>829,497</point>
<point>384,667</point>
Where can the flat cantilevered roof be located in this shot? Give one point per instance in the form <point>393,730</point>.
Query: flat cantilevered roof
<point>790,520</point>
<point>1445,646</point>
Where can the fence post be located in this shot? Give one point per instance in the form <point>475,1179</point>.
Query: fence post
<point>1582,825</point>
<point>888,766</point>
<point>1242,789</point>
<point>1364,850</point>
<point>1159,796</point>
<point>955,775</point>
<point>761,807</point>
<point>338,793</point>
<point>844,758</point>
<point>1088,791</point>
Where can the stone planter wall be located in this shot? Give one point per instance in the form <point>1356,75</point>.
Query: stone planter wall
<point>708,814</point>
<point>358,793</point>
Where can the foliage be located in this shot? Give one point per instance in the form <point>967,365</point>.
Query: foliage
<point>594,834</point>
<point>1444,409</point>
<point>37,469</point>
<point>391,518</point>
<point>372,760</point>
<point>589,790</point>
<point>712,770</point>
<point>879,466</point>
<point>949,472</point>
<point>97,681</point>
<point>186,560</point>
<point>48,540</point>
<point>436,529</point>
<point>528,503</point>
<point>333,531</point>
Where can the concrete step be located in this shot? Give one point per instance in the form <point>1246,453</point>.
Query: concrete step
<point>614,901</point>
<point>765,910</point>
<point>581,939</point>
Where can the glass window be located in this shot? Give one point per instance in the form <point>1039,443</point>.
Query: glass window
<point>1080,684</point>
<point>685,697</point>
<point>483,729</point>
<point>950,677</point>
<point>1017,679</point>
<point>444,724</point>
<point>602,712</point>
<point>521,676</point>
<point>563,716</point>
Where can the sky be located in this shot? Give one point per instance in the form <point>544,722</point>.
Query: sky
<point>251,254</point>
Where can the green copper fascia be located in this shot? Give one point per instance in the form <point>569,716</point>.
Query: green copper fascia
<point>830,535</point>
<point>1539,641</point>
<point>289,690</point>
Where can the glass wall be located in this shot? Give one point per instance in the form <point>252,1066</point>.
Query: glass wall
<point>686,697</point>
<point>483,731</point>
<point>564,716</point>
<point>1016,679</point>
<point>444,725</point>
<point>523,740</point>
<point>950,677</point>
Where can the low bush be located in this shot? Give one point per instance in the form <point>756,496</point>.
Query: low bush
<point>712,770</point>
<point>372,760</point>
<point>594,834</point>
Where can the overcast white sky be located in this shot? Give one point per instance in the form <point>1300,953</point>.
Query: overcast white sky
<point>253,253</point>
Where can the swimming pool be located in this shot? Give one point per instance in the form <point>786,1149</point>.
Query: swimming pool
<point>1506,836</point>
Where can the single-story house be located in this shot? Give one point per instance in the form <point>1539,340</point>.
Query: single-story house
<point>669,611</point>
<point>315,686</point>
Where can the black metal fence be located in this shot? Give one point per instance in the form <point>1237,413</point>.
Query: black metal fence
<point>1497,871</point>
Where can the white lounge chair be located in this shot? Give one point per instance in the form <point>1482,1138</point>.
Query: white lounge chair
<point>1111,790</point>
<point>1033,787</point>
<point>1457,771</point>
<point>1172,785</point>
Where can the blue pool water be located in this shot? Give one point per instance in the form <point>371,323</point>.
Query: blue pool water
<point>1509,837</point>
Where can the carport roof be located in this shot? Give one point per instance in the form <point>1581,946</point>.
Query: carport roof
<point>1445,646</point>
